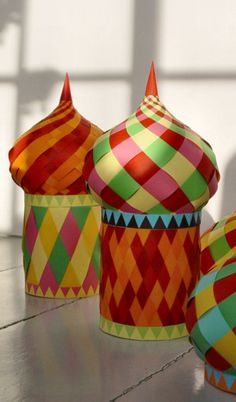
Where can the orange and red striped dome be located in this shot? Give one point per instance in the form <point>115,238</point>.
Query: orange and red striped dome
<point>49,158</point>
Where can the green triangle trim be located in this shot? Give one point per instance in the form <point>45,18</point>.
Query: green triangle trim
<point>156,331</point>
<point>143,333</point>
<point>129,330</point>
<point>62,200</point>
<point>117,328</point>
<point>49,200</point>
<point>182,329</point>
<point>39,200</point>
<point>109,325</point>
<point>136,335</point>
<point>123,332</point>
<point>169,329</point>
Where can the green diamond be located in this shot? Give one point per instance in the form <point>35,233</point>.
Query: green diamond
<point>59,260</point>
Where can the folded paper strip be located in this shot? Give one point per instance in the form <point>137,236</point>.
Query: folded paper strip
<point>152,175</point>
<point>218,243</point>
<point>49,158</point>
<point>211,322</point>
<point>150,264</point>
<point>152,163</point>
<point>61,245</point>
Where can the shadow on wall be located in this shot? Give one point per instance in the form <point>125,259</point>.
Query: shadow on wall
<point>30,86</point>
<point>144,46</point>
<point>10,12</point>
<point>228,203</point>
<point>37,85</point>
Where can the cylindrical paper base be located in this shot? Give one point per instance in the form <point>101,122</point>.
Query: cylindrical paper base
<point>225,382</point>
<point>149,266</point>
<point>61,246</point>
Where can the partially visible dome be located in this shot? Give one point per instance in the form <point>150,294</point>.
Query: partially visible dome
<point>218,243</point>
<point>49,158</point>
<point>211,322</point>
<point>152,163</point>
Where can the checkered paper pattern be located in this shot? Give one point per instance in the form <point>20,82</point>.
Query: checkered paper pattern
<point>218,243</point>
<point>211,322</point>
<point>61,246</point>
<point>147,275</point>
<point>152,163</point>
<point>49,158</point>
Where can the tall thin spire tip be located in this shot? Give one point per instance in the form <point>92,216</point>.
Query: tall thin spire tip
<point>151,88</point>
<point>66,93</point>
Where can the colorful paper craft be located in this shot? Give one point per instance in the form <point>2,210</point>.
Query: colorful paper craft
<point>61,245</point>
<point>152,175</point>
<point>218,243</point>
<point>211,322</point>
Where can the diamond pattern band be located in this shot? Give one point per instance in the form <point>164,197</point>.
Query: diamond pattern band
<point>61,248</point>
<point>146,277</point>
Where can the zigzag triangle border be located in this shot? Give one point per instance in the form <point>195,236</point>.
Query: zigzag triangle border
<point>143,333</point>
<point>61,293</point>
<point>57,201</point>
<point>224,381</point>
<point>150,221</point>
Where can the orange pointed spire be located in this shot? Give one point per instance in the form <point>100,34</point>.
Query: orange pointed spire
<point>151,88</point>
<point>66,94</point>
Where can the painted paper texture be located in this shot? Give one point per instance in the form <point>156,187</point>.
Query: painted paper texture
<point>152,163</point>
<point>150,265</point>
<point>211,322</point>
<point>152,175</point>
<point>61,246</point>
<point>218,243</point>
<point>61,221</point>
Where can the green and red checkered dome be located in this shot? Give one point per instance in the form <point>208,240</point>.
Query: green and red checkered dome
<point>211,318</point>
<point>218,243</point>
<point>152,163</point>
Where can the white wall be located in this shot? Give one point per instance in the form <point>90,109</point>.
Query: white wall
<point>107,47</point>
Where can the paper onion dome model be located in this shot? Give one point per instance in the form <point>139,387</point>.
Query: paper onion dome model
<point>152,163</point>
<point>211,322</point>
<point>61,246</point>
<point>49,158</point>
<point>218,243</point>
<point>152,175</point>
